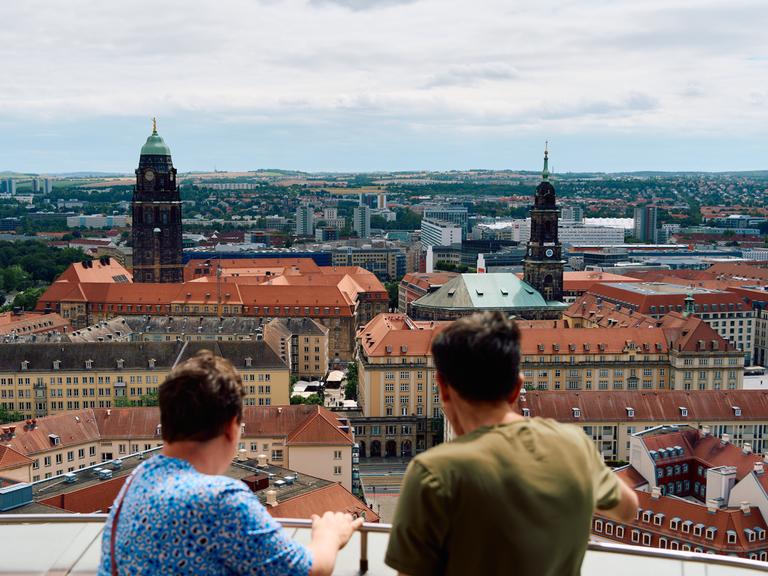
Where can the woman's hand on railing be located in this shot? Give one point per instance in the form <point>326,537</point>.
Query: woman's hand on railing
<point>330,533</point>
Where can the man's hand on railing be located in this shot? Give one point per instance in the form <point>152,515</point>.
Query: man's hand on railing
<point>330,533</point>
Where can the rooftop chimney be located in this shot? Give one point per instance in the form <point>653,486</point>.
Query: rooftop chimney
<point>725,438</point>
<point>705,431</point>
<point>262,460</point>
<point>271,497</point>
<point>656,493</point>
<point>241,457</point>
<point>747,448</point>
<point>713,506</point>
<point>745,507</point>
<point>758,468</point>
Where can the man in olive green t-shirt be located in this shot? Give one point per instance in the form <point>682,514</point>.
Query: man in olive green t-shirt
<point>510,495</point>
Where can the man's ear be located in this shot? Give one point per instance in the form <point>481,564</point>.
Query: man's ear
<point>442,385</point>
<point>512,398</point>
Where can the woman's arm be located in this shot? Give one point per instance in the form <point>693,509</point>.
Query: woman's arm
<point>330,533</point>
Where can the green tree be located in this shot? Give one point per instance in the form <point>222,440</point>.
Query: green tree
<point>122,402</point>
<point>311,399</point>
<point>350,389</point>
<point>7,416</point>
<point>393,291</point>
<point>27,300</point>
<point>150,399</point>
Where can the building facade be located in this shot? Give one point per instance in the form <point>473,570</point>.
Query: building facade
<point>305,221</point>
<point>439,233</point>
<point>41,379</point>
<point>156,216</point>
<point>302,344</point>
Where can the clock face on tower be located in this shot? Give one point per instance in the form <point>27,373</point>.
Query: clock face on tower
<point>149,175</point>
<point>549,252</point>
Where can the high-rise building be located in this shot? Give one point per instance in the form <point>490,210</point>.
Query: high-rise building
<point>543,264</point>
<point>305,220</point>
<point>361,221</point>
<point>156,209</point>
<point>10,186</point>
<point>645,224</point>
<point>47,186</point>
<point>573,213</point>
<point>35,185</point>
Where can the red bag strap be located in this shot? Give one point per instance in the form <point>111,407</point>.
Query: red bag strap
<point>113,534</point>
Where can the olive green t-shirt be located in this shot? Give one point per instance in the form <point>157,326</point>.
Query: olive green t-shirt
<point>516,498</point>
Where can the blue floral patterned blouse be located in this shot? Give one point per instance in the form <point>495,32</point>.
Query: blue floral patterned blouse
<point>176,520</point>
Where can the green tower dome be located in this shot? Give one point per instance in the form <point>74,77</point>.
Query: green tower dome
<point>155,145</point>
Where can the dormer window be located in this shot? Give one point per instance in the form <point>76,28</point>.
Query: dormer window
<point>25,364</point>
<point>56,364</point>
<point>151,363</point>
<point>658,519</point>
<point>54,438</point>
<point>88,364</point>
<point>750,534</point>
<point>698,530</point>
<point>526,412</point>
<point>248,362</point>
<point>630,412</point>
<point>710,533</point>
<point>731,536</point>
<point>647,515</point>
<point>120,363</point>
<point>674,523</point>
<point>683,411</point>
<point>576,412</point>
<point>736,411</point>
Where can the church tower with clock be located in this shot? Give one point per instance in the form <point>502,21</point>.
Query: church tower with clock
<point>156,213</point>
<point>543,264</point>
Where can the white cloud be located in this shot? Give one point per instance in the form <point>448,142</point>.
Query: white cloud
<point>662,65</point>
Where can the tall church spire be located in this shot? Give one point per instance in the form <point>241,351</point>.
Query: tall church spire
<point>545,172</point>
<point>154,126</point>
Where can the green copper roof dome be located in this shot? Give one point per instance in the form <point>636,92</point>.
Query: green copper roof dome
<point>155,145</point>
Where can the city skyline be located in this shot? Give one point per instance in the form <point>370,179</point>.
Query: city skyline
<point>346,85</point>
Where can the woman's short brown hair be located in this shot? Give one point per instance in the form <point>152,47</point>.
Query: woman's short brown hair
<point>199,397</point>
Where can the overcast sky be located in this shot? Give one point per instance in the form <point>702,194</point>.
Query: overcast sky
<point>385,84</point>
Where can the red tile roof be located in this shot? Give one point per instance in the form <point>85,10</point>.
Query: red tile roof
<point>398,335</point>
<point>334,498</point>
<point>10,458</point>
<point>648,405</point>
<point>559,341</point>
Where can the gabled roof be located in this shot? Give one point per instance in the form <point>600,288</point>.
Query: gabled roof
<point>333,497</point>
<point>319,428</point>
<point>398,335</point>
<point>10,458</point>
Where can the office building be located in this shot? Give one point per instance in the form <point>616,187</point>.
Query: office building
<point>302,343</point>
<point>457,215</point>
<point>439,233</point>
<point>97,221</point>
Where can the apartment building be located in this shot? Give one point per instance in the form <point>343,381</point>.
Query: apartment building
<point>697,493</point>
<point>306,439</point>
<point>385,263</point>
<point>41,379</point>
<point>725,311</point>
<point>396,381</point>
<point>611,418</point>
<point>302,344</point>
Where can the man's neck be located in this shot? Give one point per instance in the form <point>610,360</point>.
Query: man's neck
<point>474,416</point>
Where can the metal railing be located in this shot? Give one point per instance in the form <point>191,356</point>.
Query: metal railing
<point>380,528</point>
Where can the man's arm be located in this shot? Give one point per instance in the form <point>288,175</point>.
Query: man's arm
<point>625,509</point>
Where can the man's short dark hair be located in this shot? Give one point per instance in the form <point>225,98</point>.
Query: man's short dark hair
<point>479,356</point>
<point>199,398</point>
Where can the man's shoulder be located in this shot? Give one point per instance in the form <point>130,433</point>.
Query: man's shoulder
<point>468,450</point>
